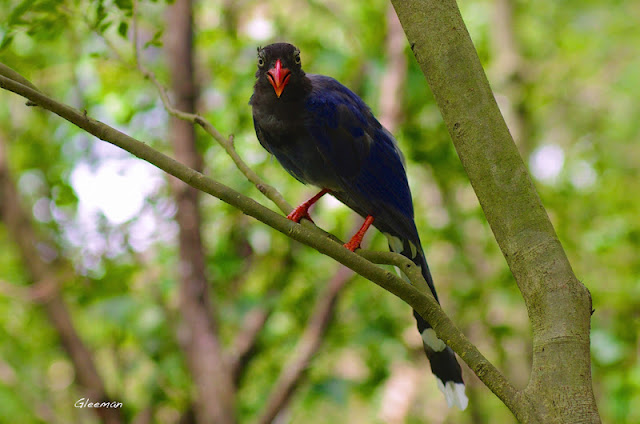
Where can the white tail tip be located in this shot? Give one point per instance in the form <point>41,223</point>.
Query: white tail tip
<point>454,394</point>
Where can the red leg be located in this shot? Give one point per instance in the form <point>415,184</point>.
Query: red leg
<point>302,211</point>
<point>355,241</point>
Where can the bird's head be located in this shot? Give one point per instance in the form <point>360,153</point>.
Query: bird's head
<point>279,65</point>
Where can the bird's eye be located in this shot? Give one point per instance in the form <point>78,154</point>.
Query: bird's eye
<point>260,62</point>
<point>296,58</point>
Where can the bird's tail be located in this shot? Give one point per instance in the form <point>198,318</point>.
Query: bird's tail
<point>442,359</point>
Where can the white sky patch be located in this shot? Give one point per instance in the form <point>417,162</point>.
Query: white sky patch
<point>116,187</point>
<point>32,183</point>
<point>142,232</point>
<point>437,217</point>
<point>583,175</point>
<point>331,202</point>
<point>260,240</point>
<point>259,28</point>
<point>42,210</point>
<point>546,162</point>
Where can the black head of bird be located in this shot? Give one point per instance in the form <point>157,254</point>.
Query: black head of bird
<point>280,66</point>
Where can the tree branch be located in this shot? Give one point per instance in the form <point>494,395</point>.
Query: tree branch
<point>421,300</point>
<point>227,143</point>
<point>293,371</point>
<point>245,341</point>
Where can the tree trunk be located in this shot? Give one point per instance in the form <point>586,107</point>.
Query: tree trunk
<point>559,306</point>
<point>198,333</point>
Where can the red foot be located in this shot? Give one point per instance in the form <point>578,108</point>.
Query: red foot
<point>302,211</point>
<point>298,213</point>
<point>355,241</point>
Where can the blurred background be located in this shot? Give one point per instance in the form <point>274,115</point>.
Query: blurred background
<point>97,239</point>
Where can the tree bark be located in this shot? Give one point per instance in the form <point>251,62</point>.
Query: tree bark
<point>198,334</point>
<point>559,306</point>
<point>394,78</point>
<point>509,72</point>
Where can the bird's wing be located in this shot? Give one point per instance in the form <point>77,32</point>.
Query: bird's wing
<point>262,137</point>
<point>362,154</point>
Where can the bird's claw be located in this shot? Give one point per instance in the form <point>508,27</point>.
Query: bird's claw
<point>355,241</point>
<point>299,213</point>
<point>352,245</point>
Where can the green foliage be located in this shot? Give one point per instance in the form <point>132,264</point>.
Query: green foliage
<point>580,88</point>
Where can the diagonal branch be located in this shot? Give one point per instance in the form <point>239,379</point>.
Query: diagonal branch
<point>226,142</point>
<point>293,371</point>
<point>422,301</point>
<point>244,345</point>
<point>245,342</point>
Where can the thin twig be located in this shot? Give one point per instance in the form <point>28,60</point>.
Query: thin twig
<point>226,142</point>
<point>134,30</point>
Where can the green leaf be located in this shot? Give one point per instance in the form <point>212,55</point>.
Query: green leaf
<point>104,26</point>
<point>101,13</point>
<point>6,40</point>
<point>16,14</point>
<point>156,41</point>
<point>123,28</point>
<point>124,5</point>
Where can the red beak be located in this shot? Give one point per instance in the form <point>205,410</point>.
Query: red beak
<point>278,77</point>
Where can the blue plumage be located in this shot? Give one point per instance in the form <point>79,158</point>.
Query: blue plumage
<point>360,155</point>
<point>324,134</point>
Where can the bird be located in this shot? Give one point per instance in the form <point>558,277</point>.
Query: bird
<point>325,135</point>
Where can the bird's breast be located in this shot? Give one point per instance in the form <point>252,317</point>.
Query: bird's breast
<point>286,135</point>
<point>301,158</point>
